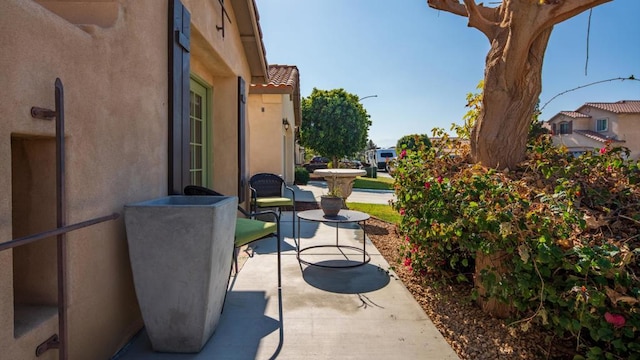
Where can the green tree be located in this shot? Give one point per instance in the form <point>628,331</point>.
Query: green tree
<point>334,123</point>
<point>413,141</point>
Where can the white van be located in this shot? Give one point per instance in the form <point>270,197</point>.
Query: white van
<point>381,158</point>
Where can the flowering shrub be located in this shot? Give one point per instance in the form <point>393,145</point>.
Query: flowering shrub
<point>569,230</point>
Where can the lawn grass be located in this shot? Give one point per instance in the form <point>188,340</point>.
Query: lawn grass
<point>381,211</point>
<point>380,183</point>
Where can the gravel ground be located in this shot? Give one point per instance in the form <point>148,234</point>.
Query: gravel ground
<point>471,333</point>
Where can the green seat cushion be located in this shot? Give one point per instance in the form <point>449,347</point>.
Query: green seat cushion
<point>273,201</point>
<point>248,230</point>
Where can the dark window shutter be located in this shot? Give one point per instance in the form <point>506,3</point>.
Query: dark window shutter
<point>179,39</point>
<point>570,127</point>
<point>242,162</point>
<point>553,129</point>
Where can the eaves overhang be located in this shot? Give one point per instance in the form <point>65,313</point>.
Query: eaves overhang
<point>248,22</point>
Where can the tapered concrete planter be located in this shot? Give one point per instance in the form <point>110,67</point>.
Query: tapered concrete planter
<point>180,249</point>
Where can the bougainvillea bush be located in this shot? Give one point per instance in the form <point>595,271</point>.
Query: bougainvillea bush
<point>565,229</point>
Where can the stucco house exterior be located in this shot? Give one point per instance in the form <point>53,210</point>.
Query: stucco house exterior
<point>154,97</point>
<point>595,123</point>
<point>275,117</point>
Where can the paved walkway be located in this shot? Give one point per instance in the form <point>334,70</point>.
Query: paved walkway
<point>357,313</point>
<point>314,189</point>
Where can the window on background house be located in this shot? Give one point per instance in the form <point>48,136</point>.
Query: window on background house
<point>602,125</point>
<point>565,128</point>
<point>199,165</point>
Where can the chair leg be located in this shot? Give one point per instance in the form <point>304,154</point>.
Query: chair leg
<point>279,264</point>
<point>226,288</point>
<point>235,258</point>
<point>293,223</point>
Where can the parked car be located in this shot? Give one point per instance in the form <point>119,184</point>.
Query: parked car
<point>350,164</point>
<point>317,162</point>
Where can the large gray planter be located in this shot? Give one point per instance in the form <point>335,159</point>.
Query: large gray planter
<point>180,249</point>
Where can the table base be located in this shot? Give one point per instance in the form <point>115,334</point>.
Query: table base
<point>365,257</point>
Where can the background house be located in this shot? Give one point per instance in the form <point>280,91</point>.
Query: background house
<point>154,99</point>
<point>275,115</point>
<point>593,124</point>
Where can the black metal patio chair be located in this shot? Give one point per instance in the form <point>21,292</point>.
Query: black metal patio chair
<point>267,191</point>
<point>248,229</point>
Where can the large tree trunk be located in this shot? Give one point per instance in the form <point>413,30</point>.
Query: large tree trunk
<point>492,263</point>
<point>512,86</point>
<point>518,31</point>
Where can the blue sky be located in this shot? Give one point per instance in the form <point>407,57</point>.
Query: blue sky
<point>422,62</point>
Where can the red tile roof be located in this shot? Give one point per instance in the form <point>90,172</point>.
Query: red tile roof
<point>574,114</point>
<point>596,136</point>
<point>282,77</point>
<point>620,107</point>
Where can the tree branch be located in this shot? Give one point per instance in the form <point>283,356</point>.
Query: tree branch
<point>478,18</point>
<point>557,12</point>
<point>452,6</point>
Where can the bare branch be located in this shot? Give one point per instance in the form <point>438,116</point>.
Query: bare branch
<point>557,12</point>
<point>478,19</point>
<point>452,6</point>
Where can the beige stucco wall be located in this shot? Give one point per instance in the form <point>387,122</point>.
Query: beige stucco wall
<point>576,142</point>
<point>217,62</point>
<point>597,114</point>
<point>620,126</point>
<point>115,87</point>
<point>578,124</point>
<point>628,130</point>
<point>289,140</point>
<point>271,146</point>
<point>112,112</point>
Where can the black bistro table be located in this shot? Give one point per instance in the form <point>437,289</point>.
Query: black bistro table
<point>343,217</point>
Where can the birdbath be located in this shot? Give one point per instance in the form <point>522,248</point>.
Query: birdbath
<point>343,178</point>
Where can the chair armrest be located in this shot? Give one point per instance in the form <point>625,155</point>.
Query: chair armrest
<point>293,193</point>
<point>258,213</point>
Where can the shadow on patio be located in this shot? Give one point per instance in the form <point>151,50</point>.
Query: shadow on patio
<point>363,312</point>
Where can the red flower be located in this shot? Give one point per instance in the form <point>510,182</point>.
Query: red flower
<point>402,211</point>
<point>616,320</point>
<point>407,238</point>
<point>427,185</point>
<point>439,179</point>
<point>603,150</point>
<point>403,154</point>
<point>407,262</point>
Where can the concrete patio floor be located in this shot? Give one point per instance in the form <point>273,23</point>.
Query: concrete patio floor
<point>363,312</point>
